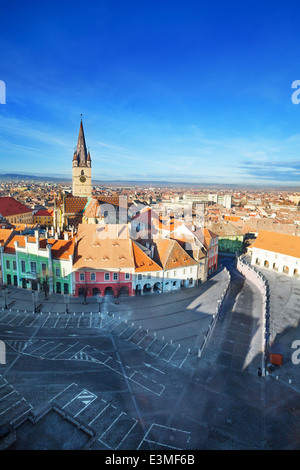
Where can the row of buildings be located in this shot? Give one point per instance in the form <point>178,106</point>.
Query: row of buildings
<point>100,259</point>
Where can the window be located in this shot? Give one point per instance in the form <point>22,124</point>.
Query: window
<point>149,275</point>
<point>57,271</point>
<point>81,276</point>
<point>115,276</point>
<point>7,264</point>
<point>139,277</point>
<point>14,265</point>
<point>44,269</point>
<point>184,271</point>
<point>157,274</point>
<point>174,273</point>
<point>65,272</point>
<point>127,276</point>
<point>93,276</point>
<point>106,276</point>
<point>33,267</point>
<point>23,266</point>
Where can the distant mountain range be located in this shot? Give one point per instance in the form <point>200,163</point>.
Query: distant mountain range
<point>17,177</point>
<point>154,184</point>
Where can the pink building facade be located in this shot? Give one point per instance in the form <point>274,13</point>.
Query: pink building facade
<point>91,283</point>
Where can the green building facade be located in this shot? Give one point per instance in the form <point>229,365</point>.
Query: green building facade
<point>30,264</point>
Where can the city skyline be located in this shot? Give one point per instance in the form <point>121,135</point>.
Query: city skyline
<point>168,93</point>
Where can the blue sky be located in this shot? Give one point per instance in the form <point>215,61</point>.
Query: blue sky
<point>191,91</point>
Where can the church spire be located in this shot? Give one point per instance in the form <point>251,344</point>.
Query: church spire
<point>82,167</point>
<point>81,147</point>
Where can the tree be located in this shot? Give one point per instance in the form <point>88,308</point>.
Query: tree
<point>44,282</point>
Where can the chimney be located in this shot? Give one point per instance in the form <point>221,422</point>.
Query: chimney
<point>56,236</point>
<point>66,236</point>
<point>152,251</point>
<point>37,238</point>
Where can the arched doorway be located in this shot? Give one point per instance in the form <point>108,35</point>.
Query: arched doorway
<point>124,291</point>
<point>286,269</point>
<point>80,291</point>
<point>138,289</point>
<point>109,292</point>
<point>157,287</point>
<point>96,291</point>
<point>147,289</point>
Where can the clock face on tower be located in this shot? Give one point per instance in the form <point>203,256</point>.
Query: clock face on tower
<point>82,179</point>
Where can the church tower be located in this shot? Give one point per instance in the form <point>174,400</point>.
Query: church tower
<point>82,168</point>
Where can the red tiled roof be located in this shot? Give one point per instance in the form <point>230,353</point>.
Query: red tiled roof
<point>143,262</point>
<point>103,247</point>
<point>10,206</point>
<point>169,254</point>
<point>92,209</point>
<point>5,233</point>
<point>61,249</point>
<point>278,243</point>
<point>43,213</point>
<point>75,204</point>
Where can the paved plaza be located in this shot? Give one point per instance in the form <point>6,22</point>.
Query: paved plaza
<point>129,377</point>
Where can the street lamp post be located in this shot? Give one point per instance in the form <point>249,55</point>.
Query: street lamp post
<point>99,300</point>
<point>67,301</point>
<point>118,293</point>
<point>34,300</point>
<point>5,295</point>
